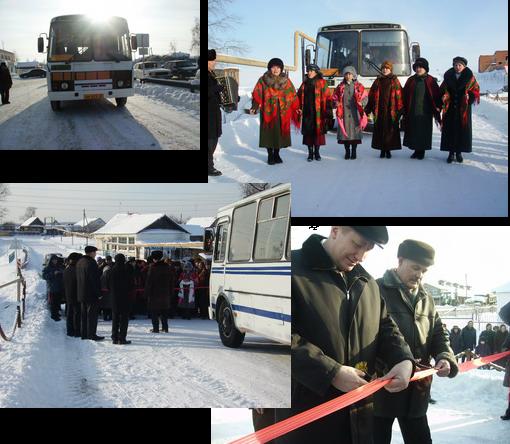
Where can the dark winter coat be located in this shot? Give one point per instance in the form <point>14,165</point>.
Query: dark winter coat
<point>456,136</point>
<point>213,107</point>
<point>499,340</point>
<point>327,334</point>
<point>5,78</point>
<point>506,346</point>
<point>456,341</point>
<point>53,275</point>
<point>313,98</point>
<point>423,331</point>
<point>120,282</point>
<point>469,338</point>
<point>386,127</point>
<point>488,337</point>
<point>157,286</point>
<point>88,280</point>
<point>70,284</point>
<point>422,102</point>
<point>106,300</point>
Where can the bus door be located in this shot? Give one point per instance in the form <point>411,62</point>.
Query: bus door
<point>217,280</point>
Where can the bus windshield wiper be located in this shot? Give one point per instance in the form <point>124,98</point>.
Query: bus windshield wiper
<point>373,65</point>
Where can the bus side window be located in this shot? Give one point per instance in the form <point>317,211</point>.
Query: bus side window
<point>221,243</point>
<point>241,239</point>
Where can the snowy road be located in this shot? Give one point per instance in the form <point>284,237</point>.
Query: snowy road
<point>188,367</point>
<point>29,123</point>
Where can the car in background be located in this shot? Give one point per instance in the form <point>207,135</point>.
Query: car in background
<point>144,70</point>
<point>33,73</point>
<point>182,69</point>
<point>195,83</point>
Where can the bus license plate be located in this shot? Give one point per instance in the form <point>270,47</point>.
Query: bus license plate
<point>92,96</point>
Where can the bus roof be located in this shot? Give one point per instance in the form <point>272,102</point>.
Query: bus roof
<point>361,25</point>
<point>75,17</point>
<point>269,192</point>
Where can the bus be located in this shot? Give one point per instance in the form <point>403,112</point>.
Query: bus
<point>250,268</point>
<point>364,45</point>
<point>88,59</point>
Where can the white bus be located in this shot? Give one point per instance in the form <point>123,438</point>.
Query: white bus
<point>89,59</point>
<point>250,269</point>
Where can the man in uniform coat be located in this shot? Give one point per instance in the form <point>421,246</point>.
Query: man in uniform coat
<point>70,291</point>
<point>339,326</point>
<point>89,292</point>
<point>157,291</point>
<point>413,309</point>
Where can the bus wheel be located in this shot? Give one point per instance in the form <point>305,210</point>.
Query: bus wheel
<point>229,334</point>
<point>121,101</point>
<point>55,105</point>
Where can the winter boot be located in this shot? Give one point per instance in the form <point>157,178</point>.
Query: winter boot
<point>316,153</point>
<point>270,156</point>
<point>458,157</point>
<point>347,153</point>
<point>353,153</point>
<point>450,157</point>
<point>414,155</point>
<point>277,158</point>
<point>310,153</point>
<point>383,154</point>
<point>506,416</point>
<point>421,154</point>
<point>388,154</point>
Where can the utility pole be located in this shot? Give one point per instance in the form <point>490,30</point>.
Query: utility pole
<point>85,226</point>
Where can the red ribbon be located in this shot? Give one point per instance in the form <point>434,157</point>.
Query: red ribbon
<point>294,422</point>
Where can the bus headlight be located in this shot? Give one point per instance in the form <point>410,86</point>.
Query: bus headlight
<point>120,83</point>
<point>64,85</point>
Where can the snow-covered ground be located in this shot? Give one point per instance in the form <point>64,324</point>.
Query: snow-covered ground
<point>370,186</point>
<point>155,118</point>
<point>188,367</point>
<point>467,411</point>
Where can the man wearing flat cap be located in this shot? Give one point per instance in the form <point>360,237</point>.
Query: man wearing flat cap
<point>339,327</point>
<point>413,309</point>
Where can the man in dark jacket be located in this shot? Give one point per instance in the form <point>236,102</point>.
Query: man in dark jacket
<point>339,327</point>
<point>488,337</point>
<point>413,309</point>
<point>53,274</point>
<point>504,314</point>
<point>157,291</point>
<point>456,340</point>
<point>70,290</point>
<point>120,282</point>
<point>213,111</point>
<point>468,338</point>
<point>5,83</point>
<point>89,293</point>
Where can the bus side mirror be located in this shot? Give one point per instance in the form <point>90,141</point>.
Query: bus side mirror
<point>40,44</point>
<point>415,51</point>
<point>208,240</point>
<point>307,57</point>
<point>134,43</point>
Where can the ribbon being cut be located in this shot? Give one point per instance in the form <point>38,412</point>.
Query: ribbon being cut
<point>287,425</point>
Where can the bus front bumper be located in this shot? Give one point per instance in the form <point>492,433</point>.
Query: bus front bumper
<point>91,95</point>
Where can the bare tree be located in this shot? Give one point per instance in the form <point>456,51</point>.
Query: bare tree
<point>4,192</point>
<point>247,189</point>
<point>195,36</point>
<point>29,212</point>
<point>220,22</point>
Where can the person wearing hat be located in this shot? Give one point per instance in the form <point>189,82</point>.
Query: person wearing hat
<point>350,98</point>
<point>386,104</point>
<point>5,83</point>
<point>413,309</point>
<point>504,314</point>
<point>313,97</point>
<point>459,91</point>
<point>188,281</point>
<point>340,326</point>
<point>422,102</point>
<point>73,319</point>
<point>275,96</point>
<point>88,286</point>
<point>213,111</point>
<point>157,291</point>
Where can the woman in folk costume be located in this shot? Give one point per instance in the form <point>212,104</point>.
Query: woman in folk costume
<point>313,95</point>
<point>385,102</point>
<point>275,96</point>
<point>350,98</point>
<point>188,282</point>
<point>459,91</point>
<point>422,102</point>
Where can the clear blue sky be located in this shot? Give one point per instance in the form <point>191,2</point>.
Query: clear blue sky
<point>444,28</point>
<point>66,201</point>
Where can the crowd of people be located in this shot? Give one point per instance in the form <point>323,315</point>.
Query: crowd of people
<point>412,107</point>
<point>119,288</point>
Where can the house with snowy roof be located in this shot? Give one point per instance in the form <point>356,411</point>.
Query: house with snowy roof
<point>88,225</point>
<point>204,222</point>
<point>32,225</point>
<point>138,234</point>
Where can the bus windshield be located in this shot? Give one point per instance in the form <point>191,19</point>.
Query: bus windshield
<point>378,46</point>
<point>83,41</point>
<point>337,50</point>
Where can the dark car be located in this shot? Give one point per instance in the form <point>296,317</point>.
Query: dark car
<point>33,73</point>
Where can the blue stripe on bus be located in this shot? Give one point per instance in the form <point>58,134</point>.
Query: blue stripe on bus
<point>263,313</point>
